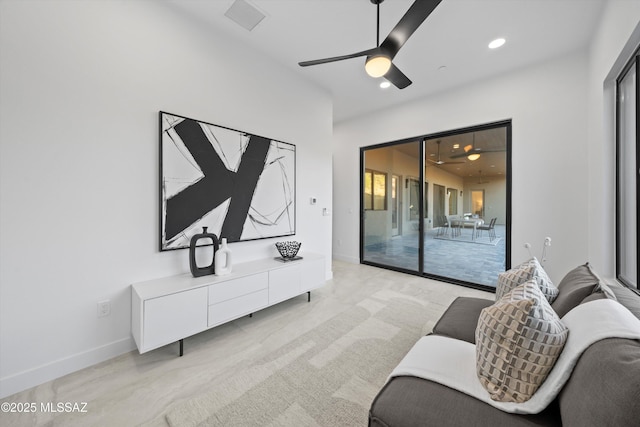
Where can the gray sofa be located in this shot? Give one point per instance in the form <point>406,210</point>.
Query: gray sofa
<point>603,390</point>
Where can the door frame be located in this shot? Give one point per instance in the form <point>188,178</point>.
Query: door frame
<point>507,124</point>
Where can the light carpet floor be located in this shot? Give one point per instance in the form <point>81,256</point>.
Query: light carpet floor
<point>298,363</point>
<point>326,377</point>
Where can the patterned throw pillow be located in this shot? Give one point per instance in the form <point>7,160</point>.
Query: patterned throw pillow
<point>526,271</point>
<point>518,340</point>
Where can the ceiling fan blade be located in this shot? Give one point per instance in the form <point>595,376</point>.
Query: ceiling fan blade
<point>476,151</point>
<point>461,155</point>
<point>367,52</point>
<point>415,16</point>
<point>441,162</point>
<point>397,77</point>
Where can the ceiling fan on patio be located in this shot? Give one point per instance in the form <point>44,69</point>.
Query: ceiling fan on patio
<point>472,152</point>
<point>440,161</point>
<point>378,63</point>
<point>481,180</point>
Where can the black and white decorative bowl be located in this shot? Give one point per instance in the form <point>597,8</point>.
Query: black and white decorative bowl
<point>288,249</point>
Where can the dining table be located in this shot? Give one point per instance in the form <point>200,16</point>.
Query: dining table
<point>463,222</point>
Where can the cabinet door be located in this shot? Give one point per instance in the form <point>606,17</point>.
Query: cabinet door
<point>170,318</point>
<point>312,274</point>
<point>284,283</point>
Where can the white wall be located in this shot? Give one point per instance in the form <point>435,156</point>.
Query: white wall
<point>81,84</point>
<point>547,104</point>
<point>613,43</point>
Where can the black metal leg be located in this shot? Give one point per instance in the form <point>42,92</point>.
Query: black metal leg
<point>181,347</point>
<point>250,314</point>
<point>308,296</point>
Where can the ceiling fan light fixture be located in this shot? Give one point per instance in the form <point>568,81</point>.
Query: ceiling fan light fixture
<point>377,66</point>
<point>496,43</point>
<point>474,156</point>
<point>467,148</point>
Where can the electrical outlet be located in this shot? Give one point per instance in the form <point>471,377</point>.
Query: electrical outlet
<point>104,308</point>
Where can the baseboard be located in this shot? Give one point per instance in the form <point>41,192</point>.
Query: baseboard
<point>50,371</point>
<point>346,258</point>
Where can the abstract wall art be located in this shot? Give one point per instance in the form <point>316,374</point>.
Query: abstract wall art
<point>241,186</point>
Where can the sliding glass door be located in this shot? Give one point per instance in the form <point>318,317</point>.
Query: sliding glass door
<point>470,238</point>
<point>443,207</point>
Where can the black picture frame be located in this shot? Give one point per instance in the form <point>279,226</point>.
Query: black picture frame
<point>239,185</point>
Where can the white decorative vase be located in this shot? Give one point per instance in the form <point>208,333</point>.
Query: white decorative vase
<point>222,259</point>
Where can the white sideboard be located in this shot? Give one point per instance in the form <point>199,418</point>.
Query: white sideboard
<point>170,309</point>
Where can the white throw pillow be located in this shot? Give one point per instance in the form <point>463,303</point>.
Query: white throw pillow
<point>519,274</point>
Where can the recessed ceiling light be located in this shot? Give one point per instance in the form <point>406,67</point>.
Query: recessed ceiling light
<point>496,43</point>
<point>385,84</point>
<point>456,146</point>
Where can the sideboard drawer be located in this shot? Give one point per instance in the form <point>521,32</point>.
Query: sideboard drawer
<point>235,288</point>
<point>240,306</point>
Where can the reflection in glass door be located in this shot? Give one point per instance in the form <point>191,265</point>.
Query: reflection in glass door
<point>390,227</point>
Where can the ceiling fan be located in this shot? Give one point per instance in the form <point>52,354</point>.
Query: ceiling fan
<point>481,180</point>
<point>378,63</point>
<point>439,161</point>
<point>472,152</point>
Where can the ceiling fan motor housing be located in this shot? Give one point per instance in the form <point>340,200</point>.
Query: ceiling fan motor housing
<point>387,50</point>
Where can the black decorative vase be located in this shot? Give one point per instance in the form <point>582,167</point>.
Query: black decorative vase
<point>209,269</point>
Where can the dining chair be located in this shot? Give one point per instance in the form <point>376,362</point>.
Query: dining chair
<point>455,225</point>
<point>444,226</point>
<point>490,228</point>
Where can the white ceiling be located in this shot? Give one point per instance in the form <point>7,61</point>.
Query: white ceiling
<point>455,35</point>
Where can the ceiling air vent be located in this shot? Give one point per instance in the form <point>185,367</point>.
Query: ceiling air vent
<point>244,14</point>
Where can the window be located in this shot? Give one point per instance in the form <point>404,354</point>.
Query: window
<point>452,195</point>
<point>375,190</point>
<point>627,164</point>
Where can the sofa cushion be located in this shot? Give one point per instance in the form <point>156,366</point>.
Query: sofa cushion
<point>416,402</point>
<point>528,270</point>
<point>518,340</point>
<point>593,297</point>
<point>459,321</point>
<point>628,298</point>
<point>574,288</point>
<point>604,388</point>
